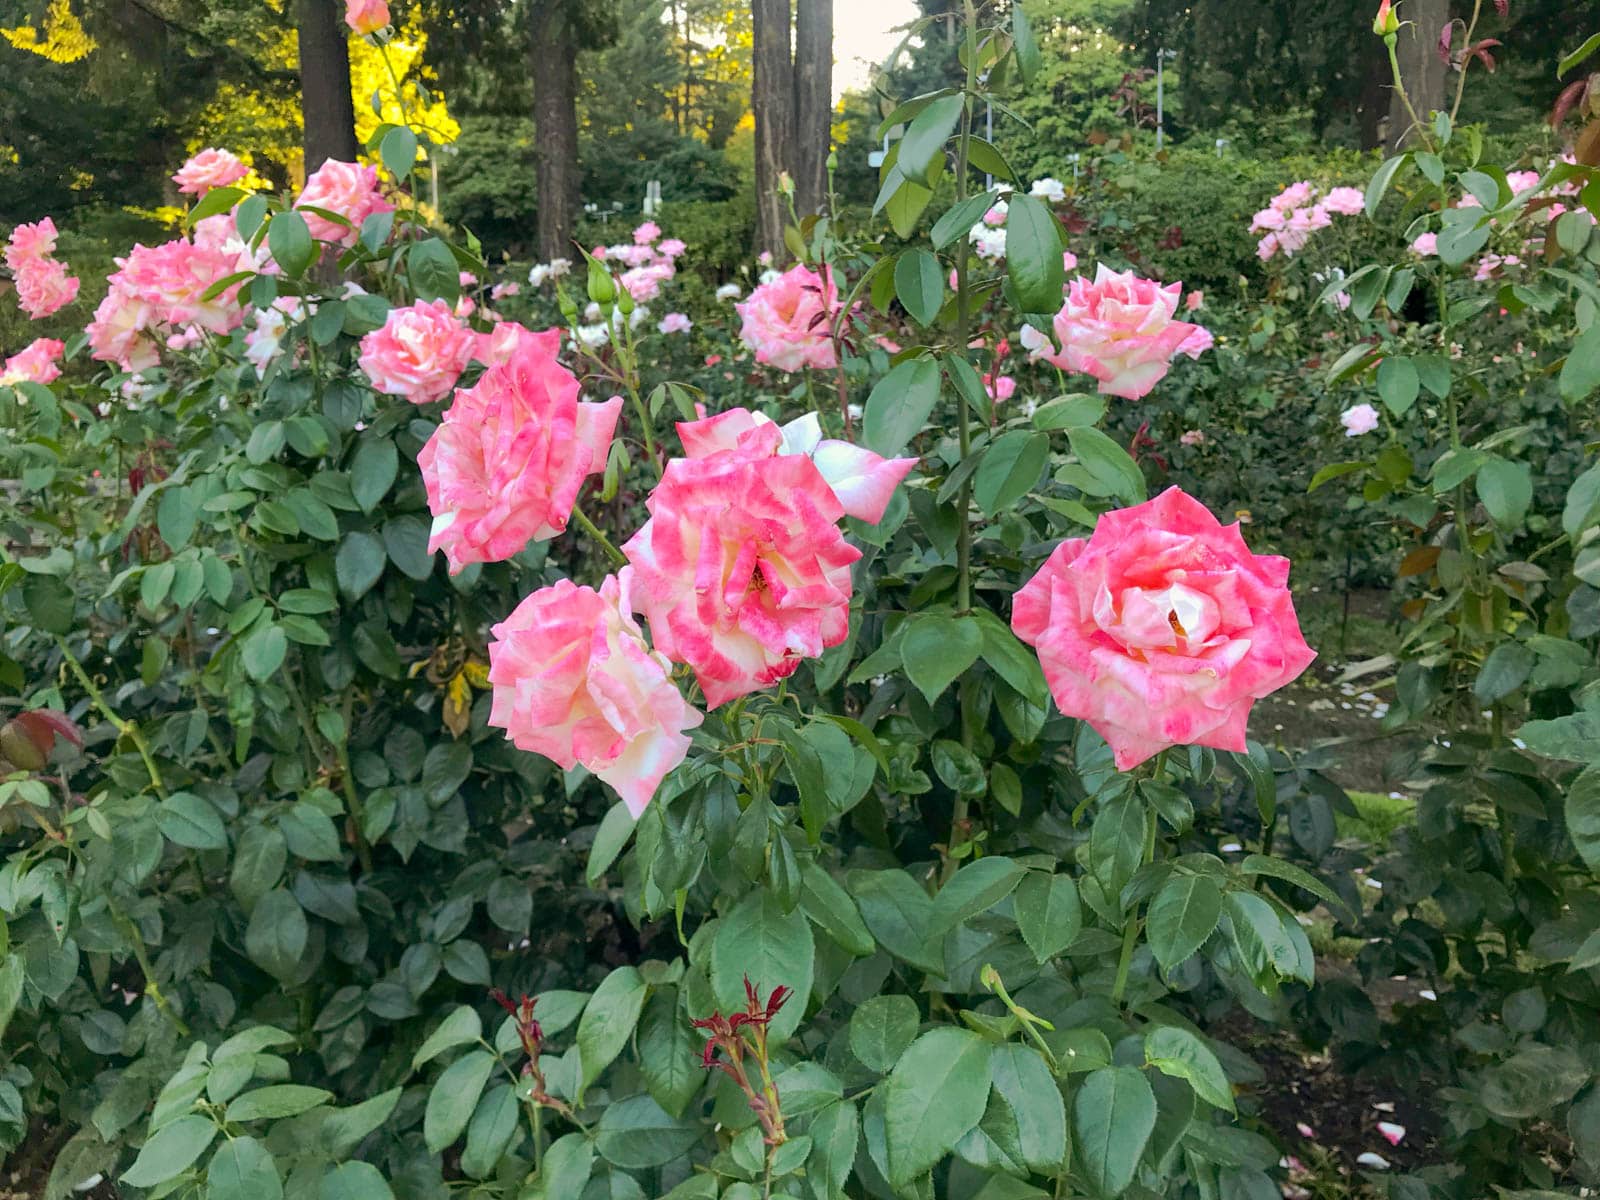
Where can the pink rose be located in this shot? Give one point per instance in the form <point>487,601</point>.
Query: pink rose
<point>1193,437</point>
<point>1069,261</point>
<point>1162,629</point>
<point>672,248</point>
<point>1001,389</point>
<point>348,189</point>
<point>644,283</point>
<point>1268,219</point>
<point>505,466</point>
<point>366,16</point>
<point>675,322</point>
<point>1427,245</point>
<point>209,169</point>
<point>1345,201</point>
<point>1194,301</point>
<point>1120,329</point>
<point>742,570</point>
<point>786,321</point>
<point>1197,343</point>
<point>44,287</point>
<point>419,353</point>
<point>646,233</point>
<point>501,290</point>
<point>862,482</point>
<point>31,243</point>
<point>1293,196</point>
<point>1363,418</point>
<point>35,363</point>
<point>574,681</point>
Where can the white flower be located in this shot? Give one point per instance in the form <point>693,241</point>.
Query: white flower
<point>989,243</point>
<point>593,336</point>
<point>771,275</point>
<point>729,291</point>
<point>1049,189</point>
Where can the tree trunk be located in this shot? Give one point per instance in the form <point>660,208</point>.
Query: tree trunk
<point>772,98</point>
<point>327,113</point>
<point>813,102</point>
<point>1423,71</point>
<point>555,119</point>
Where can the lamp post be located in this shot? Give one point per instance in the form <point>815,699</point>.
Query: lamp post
<point>1162,55</point>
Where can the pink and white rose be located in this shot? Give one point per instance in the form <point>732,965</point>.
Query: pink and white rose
<point>347,189</point>
<point>418,353</point>
<point>208,169</point>
<point>786,321</point>
<point>1162,628</point>
<point>34,363</point>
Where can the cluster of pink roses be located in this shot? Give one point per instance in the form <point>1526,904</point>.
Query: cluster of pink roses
<point>1523,185</point>
<point>35,363</point>
<point>43,285</point>
<point>1120,329</point>
<point>741,568</point>
<point>1162,629</point>
<point>649,259</point>
<point>788,321</point>
<point>1294,214</point>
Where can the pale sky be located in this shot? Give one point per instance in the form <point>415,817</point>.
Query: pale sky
<point>862,38</point>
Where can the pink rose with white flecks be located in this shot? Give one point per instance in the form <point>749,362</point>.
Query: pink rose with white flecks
<point>505,466</point>
<point>209,169</point>
<point>786,321</point>
<point>34,363</point>
<point>862,482</point>
<point>574,681</point>
<point>1162,629</point>
<point>366,16</point>
<point>418,353</point>
<point>1120,329</point>
<point>347,189</point>
<point>742,570</point>
<point>1362,418</point>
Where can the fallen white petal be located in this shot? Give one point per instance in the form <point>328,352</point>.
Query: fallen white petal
<point>1376,1161</point>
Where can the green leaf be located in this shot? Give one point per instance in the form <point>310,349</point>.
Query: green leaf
<point>171,1150</point>
<point>1583,502</point>
<point>461,1027</point>
<point>1049,915</point>
<point>919,285</point>
<point>243,1169</point>
<point>342,1129</point>
<point>1177,1052</point>
<point>936,649</point>
<point>1109,463</point>
<point>935,1097</point>
<point>263,652</point>
<point>1578,55</point>
<point>1027,46</point>
<point>399,152</point>
<point>1506,489</point>
<point>358,564</point>
<point>1010,659</point>
<point>290,243</point>
<point>1023,1081</point>
<point>1381,180</point>
<point>1113,1114</point>
<point>1583,815</point>
<point>1573,738</point>
<point>489,1133</point>
<point>831,909</point>
<point>309,833</point>
<point>616,827</point>
<point>975,888</point>
<point>373,471</point>
<point>567,1166</point>
<point>433,271</point>
<point>454,1097</point>
<point>960,218</point>
<point>1580,375</point>
<point>1398,384</point>
<point>186,820</point>
<point>835,1139</point>
<point>176,517</point>
<point>276,936</point>
<point>608,1020</point>
<point>906,205</point>
<point>1182,916</point>
<point>354,1181</point>
<point>1034,255</point>
<point>899,406</point>
<point>1276,868</point>
<point>12,971</point>
<point>279,1100</point>
<point>1010,469</point>
<point>758,940</point>
<point>638,1134</point>
<point>881,1029</point>
<point>927,134</point>
<point>1505,670</point>
<point>899,914</point>
<point>669,1053</point>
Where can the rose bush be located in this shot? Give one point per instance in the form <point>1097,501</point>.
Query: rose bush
<point>695,825</point>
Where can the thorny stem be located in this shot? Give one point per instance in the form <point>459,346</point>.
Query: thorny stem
<point>1130,931</point>
<point>1417,122</point>
<point>589,527</point>
<point>125,727</point>
<point>140,953</point>
<point>1466,61</point>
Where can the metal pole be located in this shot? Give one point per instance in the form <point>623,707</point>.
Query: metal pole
<point>1161,62</point>
<point>988,134</point>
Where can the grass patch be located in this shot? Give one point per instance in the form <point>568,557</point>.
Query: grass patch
<point>1379,817</point>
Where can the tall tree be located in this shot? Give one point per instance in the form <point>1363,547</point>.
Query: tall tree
<point>1422,69</point>
<point>555,119</point>
<point>813,101</point>
<point>327,112</point>
<point>772,98</point>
